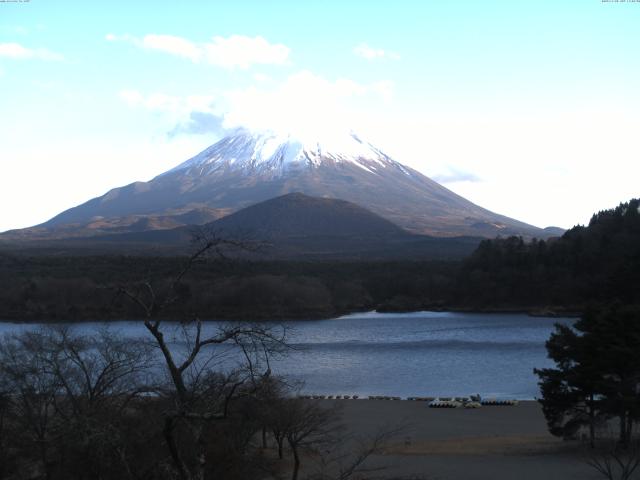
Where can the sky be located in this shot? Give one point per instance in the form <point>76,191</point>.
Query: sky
<point>528,108</point>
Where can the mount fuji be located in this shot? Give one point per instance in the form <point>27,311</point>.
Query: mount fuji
<point>246,168</point>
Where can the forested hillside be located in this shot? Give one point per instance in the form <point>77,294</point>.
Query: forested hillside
<point>599,262</point>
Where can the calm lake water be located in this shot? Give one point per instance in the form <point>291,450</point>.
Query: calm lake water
<point>409,354</point>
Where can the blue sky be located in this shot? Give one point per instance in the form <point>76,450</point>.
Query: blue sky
<point>528,108</point>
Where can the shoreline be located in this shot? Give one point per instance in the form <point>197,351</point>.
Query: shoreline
<point>545,312</point>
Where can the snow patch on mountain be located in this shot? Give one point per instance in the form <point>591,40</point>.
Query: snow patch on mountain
<point>272,153</point>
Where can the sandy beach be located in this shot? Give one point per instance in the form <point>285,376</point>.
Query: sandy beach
<point>492,442</point>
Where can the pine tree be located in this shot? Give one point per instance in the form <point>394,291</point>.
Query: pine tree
<point>597,373</point>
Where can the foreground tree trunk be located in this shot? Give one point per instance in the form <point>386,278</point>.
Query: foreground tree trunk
<point>202,454</point>
<point>296,463</point>
<point>592,422</point>
<point>624,433</point>
<point>168,431</point>
<point>280,441</point>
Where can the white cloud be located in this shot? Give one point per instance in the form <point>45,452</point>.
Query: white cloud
<point>261,77</point>
<point>384,88</point>
<point>365,51</point>
<point>201,103</point>
<point>192,114</point>
<point>173,45</point>
<point>162,102</point>
<point>240,51</point>
<point>199,123</point>
<point>305,104</point>
<point>235,51</point>
<point>18,52</point>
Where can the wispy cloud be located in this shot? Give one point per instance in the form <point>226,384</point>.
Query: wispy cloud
<point>454,175</point>
<point>194,114</point>
<point>16,51</point>
<point>370,53</point>
<point>200,123</point>
<point>172,45</point>
<point>235,51</point>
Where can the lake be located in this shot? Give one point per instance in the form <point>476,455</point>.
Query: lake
<point>403,354</point>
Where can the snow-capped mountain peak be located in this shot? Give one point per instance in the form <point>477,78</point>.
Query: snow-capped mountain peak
<point>275,154</point>
<point>246,168</point>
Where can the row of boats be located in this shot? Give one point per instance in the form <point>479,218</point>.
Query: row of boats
<point>469,402</point>
<point>474,401</point>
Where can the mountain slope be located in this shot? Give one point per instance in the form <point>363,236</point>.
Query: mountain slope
<point>299,215</point>
<point>247,168</point>
<point>293,226</point>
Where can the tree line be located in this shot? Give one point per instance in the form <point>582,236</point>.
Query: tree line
<point>49,288</point>
<point>595,263</point>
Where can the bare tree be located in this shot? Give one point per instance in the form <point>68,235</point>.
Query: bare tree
<point>310,426</point>
<point>346,457</point>
<point>270,392</point>
<point>99,378</point>
<point>104,370</point>
<point>199,396</point>
<point>615,462</point>
<point>67,393</point>
<point>4,404</point>
<point>313,430</point>
<point>304,424</point>
<point>33,391</point>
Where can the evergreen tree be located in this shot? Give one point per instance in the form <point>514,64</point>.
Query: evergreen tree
<point>617,333</point>
<point>570,392</point>
<point>597,372</point>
